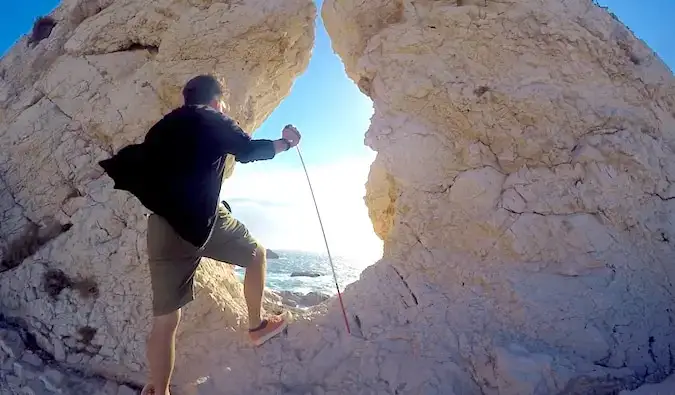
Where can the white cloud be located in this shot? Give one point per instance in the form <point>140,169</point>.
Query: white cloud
<point>276,205</point>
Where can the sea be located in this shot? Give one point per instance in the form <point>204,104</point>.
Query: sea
<point>279,272</point>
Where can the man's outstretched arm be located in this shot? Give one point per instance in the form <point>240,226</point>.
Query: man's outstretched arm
<point>231,139</point>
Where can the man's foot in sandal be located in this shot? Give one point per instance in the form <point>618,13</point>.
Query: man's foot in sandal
<point>270,327</point>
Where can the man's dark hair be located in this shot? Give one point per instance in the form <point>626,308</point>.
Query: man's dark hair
<point>202,89</point>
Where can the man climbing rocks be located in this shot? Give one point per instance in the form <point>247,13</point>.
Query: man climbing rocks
<point>177,174</point>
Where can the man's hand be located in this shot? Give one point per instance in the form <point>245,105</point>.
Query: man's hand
<point>290,137</point>
<point>291,134</point>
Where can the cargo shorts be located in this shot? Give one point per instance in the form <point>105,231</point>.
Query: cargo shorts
<point>173,261</point>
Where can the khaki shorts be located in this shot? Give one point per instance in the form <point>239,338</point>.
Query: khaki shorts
<point>174,261</point>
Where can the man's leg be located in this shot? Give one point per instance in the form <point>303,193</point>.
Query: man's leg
<point>254,285</point>
<point>231,243</point>
<point>173,263</point>
<point>161,350</point>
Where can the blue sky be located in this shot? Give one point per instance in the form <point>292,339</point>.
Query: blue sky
<point>272,197</point>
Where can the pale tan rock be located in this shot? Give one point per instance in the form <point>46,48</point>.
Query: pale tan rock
<point>107,72</point>
<point>381,194</point>
<point>522,188</point>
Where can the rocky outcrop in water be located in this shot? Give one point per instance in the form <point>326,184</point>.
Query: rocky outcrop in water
<point>272,255</point>
<point>306,274</point>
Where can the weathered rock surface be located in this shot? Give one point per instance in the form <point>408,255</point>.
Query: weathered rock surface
<point>27,369</point>
<point>666,387</point>
<point>297,299</point>
<point>522,188</point>
<point>73,261</point>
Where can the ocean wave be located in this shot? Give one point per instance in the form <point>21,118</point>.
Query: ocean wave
<point>279,272</point>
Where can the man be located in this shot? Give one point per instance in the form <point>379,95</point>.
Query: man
<point>177,173</point>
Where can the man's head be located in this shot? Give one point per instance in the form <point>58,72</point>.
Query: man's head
<point>204,90</point>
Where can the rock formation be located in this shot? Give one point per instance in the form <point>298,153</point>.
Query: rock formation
<point>297,299</point>
<point>73,250</point>
<point>27,369</point>
<point>305,274</point>
<point>665,387</point>
<point>522,188</point>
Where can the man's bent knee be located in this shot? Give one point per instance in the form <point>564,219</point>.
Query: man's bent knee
<point>259,256</point>
<point>260,253</point>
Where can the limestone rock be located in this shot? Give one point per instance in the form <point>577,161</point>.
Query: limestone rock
<point>35,387</point>
<point>522,188</point>
<point>31,359</point>
<point>296,299</point>
<point>666,387</point>
<point>34,372</point>
<point>13,384</point>
<point>52,379</point>
<point>59,351</point>
<point>73,249</point>
<point>11,343</point>
<point>124,390</point>
<point>110,388</point>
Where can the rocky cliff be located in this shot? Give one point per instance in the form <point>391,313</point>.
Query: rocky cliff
<point>522,188</point>
<point>91,78</point>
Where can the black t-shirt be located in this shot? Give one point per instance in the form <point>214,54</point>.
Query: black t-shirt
<point>177,171</point>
